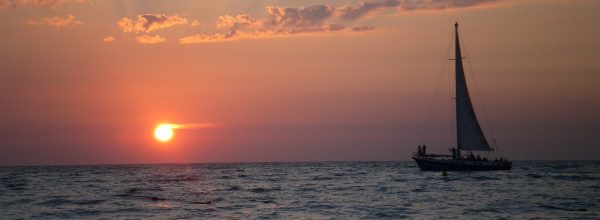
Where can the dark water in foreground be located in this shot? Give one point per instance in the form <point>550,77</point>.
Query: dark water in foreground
<point>371,190</point>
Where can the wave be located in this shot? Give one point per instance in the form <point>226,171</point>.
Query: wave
<point>563,208</point>
<point>264,190</point>
<point>322,178</point>
<point>575,177</point>
<point>182,178</point>
<point>317,206</point>
<point>533,175</point>
<point>233,188</point>
<point>298,190</point>
<point>17,186</point>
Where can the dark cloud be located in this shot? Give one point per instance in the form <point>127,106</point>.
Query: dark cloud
<point>156,22</point>
<point>240,22</point>
<point>362,28</point>
<point>352,13</point>
<point>147,23</point>
<point>236,34</point>
<point>299,17</point>
<point>316,19</point>
<point>441,4</point>
<point>280,21</point>
<point>315,29</point>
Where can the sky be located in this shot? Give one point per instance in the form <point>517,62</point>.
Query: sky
<point>87,81</point>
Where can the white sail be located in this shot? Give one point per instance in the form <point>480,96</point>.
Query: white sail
<point>468,131</point>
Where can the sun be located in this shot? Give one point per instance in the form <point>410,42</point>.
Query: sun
<point>163,132</point>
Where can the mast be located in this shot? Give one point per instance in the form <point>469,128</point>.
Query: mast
<point>469,135</point>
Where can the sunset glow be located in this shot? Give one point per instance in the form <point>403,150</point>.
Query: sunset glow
<point>163,132</point>
<point>187,81</point>
<point>224,109</point>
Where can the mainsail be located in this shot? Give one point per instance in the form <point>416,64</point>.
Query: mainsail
<point>469,135</point>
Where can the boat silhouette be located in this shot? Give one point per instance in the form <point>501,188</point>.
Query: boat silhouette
<point>469,135</point>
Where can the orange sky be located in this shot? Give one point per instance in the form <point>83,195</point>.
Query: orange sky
<point>85,82</point>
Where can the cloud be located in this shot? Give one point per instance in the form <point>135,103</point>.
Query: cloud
<point>279,22</point>
<point>109,39</point>
<point>56,21</point>
<point>147,23</point>
<point>441,4</point>
<point>204,38</point>
<point>316,19</point>
<point>364,8</point>
<point>4,4</point>
<point>150,39</point>
<point>362,28</point>
<point>238,23</point>
<point>352,13</point>
<point>298,17</point>
<point>125,24</point>
<point>211,38</point>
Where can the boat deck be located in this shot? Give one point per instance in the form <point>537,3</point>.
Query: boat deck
<point>431,164</point>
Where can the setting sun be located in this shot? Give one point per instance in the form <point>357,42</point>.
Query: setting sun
<point>163,132</point>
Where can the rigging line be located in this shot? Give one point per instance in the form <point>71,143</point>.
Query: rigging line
<point>488,123</point>
<point>425,134</point>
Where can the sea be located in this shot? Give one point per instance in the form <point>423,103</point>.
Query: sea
<point>315,190</point>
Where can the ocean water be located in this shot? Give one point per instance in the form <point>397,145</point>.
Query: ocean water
<point>323,190</point>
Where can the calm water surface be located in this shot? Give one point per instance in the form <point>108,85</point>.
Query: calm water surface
<point>328,190</point>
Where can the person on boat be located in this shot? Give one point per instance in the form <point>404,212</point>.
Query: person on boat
<point>424,150</point>
<point>419,152</point>
<point>458,156</point>
<point>453,153</point>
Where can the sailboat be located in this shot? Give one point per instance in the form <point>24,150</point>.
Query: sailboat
<point>469,135</point>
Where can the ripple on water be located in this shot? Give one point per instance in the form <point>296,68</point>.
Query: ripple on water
<point>563,208</point>
<point>234,188</point>
<point>576,177</point>
<point>321,178</point>
<point>533,175</point>
<point>264,190</point>
<point>55,202</point>
<point>17,185</point>
<point>369,190</point>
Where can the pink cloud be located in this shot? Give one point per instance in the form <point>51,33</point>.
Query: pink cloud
<point>362,28</point>
<point>352,13</point>
<point>147,23</point>
<point>109,39</point>
<point>316,19</point>
<point>364,8</point>
<point>279,22</point>
<point>150,39</point>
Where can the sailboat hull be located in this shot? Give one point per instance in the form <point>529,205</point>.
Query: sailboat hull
<point>430,164</point>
